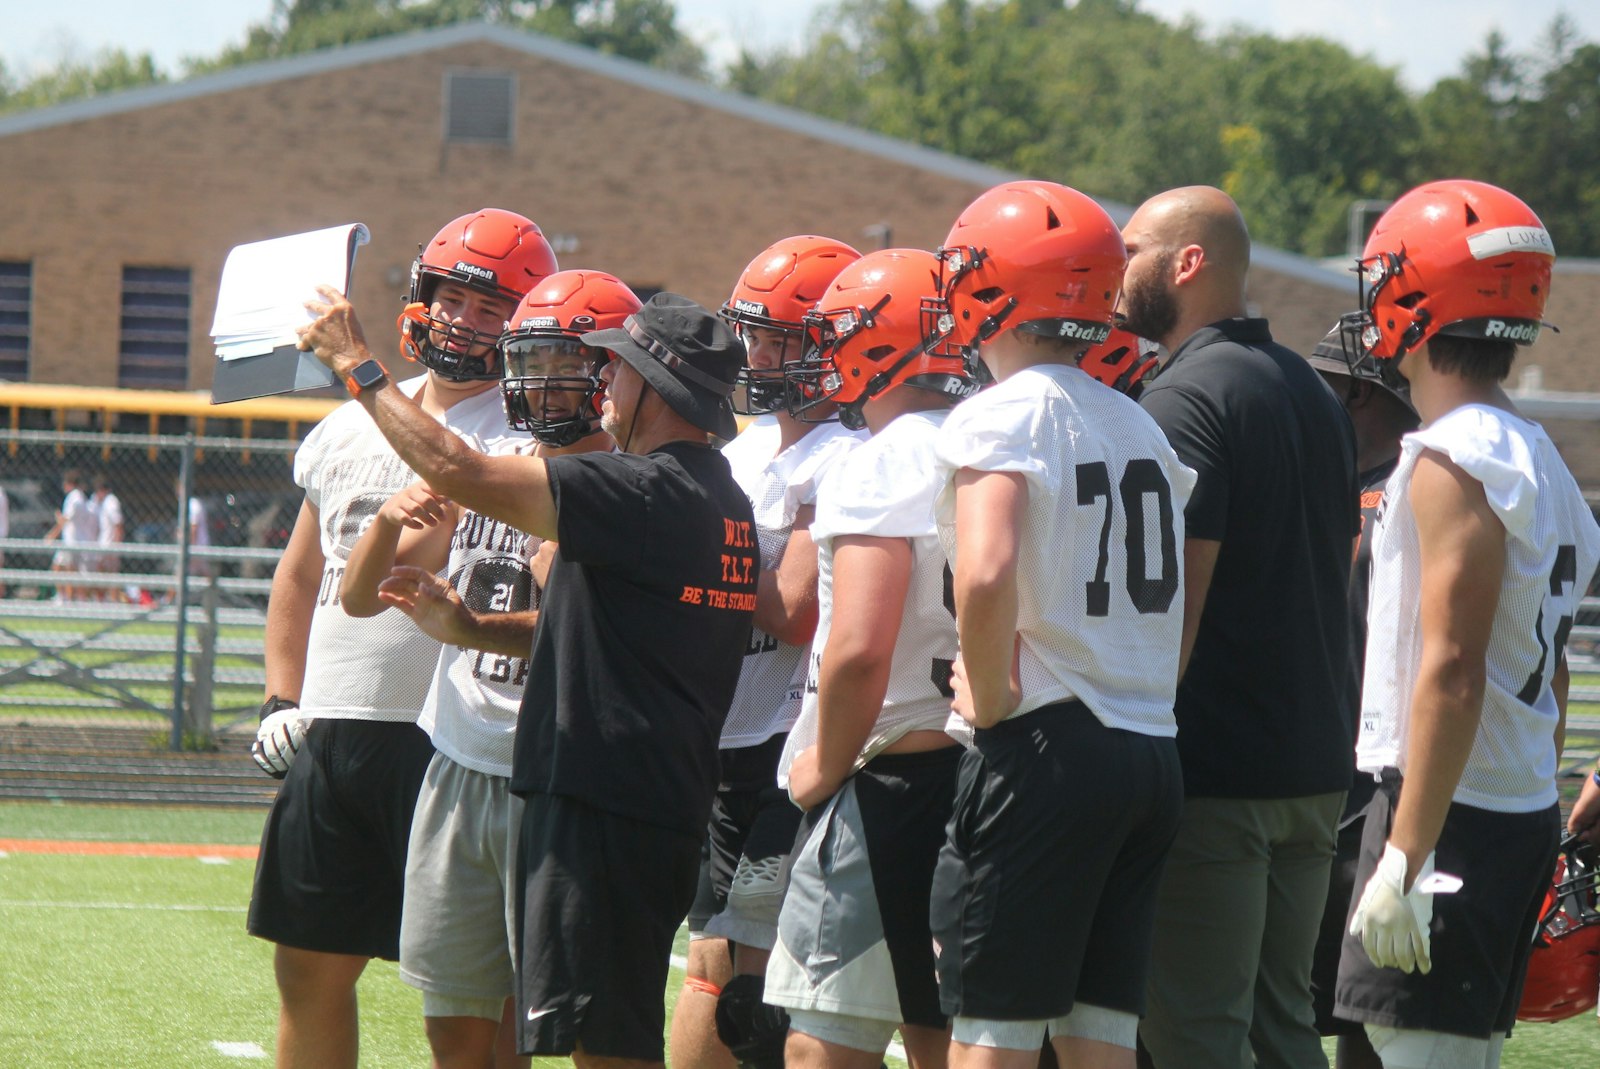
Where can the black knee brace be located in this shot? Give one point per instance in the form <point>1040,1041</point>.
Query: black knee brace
<point>752,1030</point>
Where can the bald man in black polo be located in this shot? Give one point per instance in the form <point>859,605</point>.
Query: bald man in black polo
<point>1266,748</point>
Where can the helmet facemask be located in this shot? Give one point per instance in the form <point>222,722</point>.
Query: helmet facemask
<point>765,389</point>
<point>551,386</point>
<point>451,350</point>
<point>821,376</point>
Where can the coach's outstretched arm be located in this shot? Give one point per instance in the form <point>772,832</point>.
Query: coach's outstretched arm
<point>512,489</point>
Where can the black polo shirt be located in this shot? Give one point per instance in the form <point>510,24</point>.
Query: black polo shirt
<point>1262,708</point>
<point>641,634</point>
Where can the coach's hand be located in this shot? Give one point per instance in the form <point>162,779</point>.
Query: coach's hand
<point>431,602</point>
<point>335,335</point>
<point>278,738</point>
<point>1391,922</point>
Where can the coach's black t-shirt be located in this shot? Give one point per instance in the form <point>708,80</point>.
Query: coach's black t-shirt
<point>641,635</point>
<point>1261,709</point>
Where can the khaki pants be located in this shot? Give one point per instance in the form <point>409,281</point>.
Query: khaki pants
<point>1236,924</point>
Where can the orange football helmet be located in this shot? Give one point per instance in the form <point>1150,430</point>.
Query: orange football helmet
<point>1034,256</point>
<point>493,251</point>
<point>551,383</point>
<point>1564,970</point>
<point>1123,362</point>
<point>775,291</point>
<point>1455,257</point>
<point>868,335</point>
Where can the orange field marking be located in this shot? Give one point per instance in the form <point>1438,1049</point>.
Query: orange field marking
<point>72,846</point>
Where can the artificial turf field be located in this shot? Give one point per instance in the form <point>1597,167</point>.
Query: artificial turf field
<point>117,959</point>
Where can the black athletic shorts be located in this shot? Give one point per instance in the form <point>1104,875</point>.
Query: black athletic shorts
<point>602,898</point>
<point>1330,937</point>
<point>751,817</point>
<point>1045,890</point>
<point>1481,936</point>
<point>332,867</point>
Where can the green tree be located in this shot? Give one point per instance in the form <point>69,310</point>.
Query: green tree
<point>73,78</point>
<point>644,30</point>
<point>1326,128</point>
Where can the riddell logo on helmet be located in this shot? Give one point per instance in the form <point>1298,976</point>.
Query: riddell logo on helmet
<point>1523,332</point>
<point>754,308</point>
<point>1090,332</point>
<point>539,322</point>
<point>475,271</point>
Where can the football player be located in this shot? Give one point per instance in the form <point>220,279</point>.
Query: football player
<point>457,932</point>
<point>779,461</point>
<point>1061,509</point>
<point>1381,412</point>
<point>1482,551</point>
<point>869,759</point>
<point>330,878</point>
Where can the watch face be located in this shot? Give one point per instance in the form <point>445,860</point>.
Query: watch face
<point>367,373</point>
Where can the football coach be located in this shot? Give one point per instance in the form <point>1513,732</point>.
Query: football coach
<point>634,662</point>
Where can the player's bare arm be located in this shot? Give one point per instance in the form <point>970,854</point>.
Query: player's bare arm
<point>990,508</point>
<point>289,607</point>
<point>1463,553</point>
<point>435,607</point>
<point>413,527</point>
<point>1199,563</point>
<point>514,489</point>
<point>786,596</point>
<point>870,579</point>
<point>1560,683</point>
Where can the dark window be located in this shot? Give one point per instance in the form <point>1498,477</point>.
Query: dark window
<point>477,106</point>
<point>16,300</point>
<point>153,344</point>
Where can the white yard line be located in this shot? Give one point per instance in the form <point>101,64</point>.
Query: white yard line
<point>238,1050</point>
<point>16,903</point>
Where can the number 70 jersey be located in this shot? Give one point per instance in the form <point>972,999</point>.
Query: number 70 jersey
<point>1100,564</point>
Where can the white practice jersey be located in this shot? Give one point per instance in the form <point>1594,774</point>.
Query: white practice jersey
<point>379,667</point>
<point>773,677</point>
<point>108,515</point>
<point>83,525</point>
<point>884,488</point>
<point>1552,546</point>
<point>1100,572</point>
<point>471,711</point>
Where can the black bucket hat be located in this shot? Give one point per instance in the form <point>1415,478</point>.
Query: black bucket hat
<point>1329,355</point>
<point>686,354</point>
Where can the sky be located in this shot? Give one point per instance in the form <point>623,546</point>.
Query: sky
<point>1426,39</point>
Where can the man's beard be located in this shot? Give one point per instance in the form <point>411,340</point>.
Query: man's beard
<point>1149,309</point>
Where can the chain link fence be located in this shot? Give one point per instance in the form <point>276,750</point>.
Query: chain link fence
<point>134,574</point>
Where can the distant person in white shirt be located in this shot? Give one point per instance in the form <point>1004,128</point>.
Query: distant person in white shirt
<point>199,537</point>
<point>107,508</point>
<point>75,526</point>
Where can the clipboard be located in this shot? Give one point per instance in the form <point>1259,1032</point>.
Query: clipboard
<point>261,300</point>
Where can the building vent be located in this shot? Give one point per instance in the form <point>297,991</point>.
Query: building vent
<point>477,106</point>
<point>16,300</point>
<point>153,344</point>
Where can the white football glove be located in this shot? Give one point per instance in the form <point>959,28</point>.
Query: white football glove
<point>283,728</point>
<point>1393,924</point>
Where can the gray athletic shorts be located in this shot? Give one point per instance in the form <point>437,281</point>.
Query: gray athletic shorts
<point>459,924</point>
<point>853,937</point>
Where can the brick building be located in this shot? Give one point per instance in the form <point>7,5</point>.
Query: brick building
<point>121,209</point>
